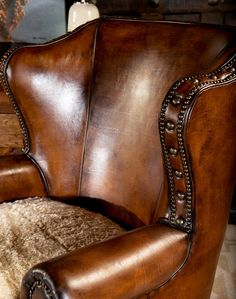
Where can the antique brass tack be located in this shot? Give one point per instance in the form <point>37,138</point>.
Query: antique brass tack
<point>177,99</point>
<point>195,81</point>
<point>214,77</point>
<point>180,195</point>
<point>170,125</point>
<point>180,221</point>
<point>173,151</point>
<point>178,174</point>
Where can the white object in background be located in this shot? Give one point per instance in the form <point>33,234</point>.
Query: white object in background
<point>80,13</point>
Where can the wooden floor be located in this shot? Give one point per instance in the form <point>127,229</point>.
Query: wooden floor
<point>225,280</point>
<point>10,132</point>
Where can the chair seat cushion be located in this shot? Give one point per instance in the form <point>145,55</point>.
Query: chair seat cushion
<point>36,229</point>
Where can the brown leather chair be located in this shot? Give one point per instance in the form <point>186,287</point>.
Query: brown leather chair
<point>136,119</point>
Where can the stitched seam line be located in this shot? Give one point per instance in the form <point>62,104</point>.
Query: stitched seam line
<point>89,107</point>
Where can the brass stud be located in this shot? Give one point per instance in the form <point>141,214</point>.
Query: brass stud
<point>170,125</point>
<point>173,151</point>
<point>214,77</point>
<point>180,195</point>
<point>178,174</point>
<point>195,81</point>
<point>177,99</point>
<point>180,221</point>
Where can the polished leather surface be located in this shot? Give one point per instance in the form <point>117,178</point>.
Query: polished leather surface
<point>135,266</point>
<point>19,178</point>
<point>54,105</point>
<point>91,102</point>
<point>121,148</point>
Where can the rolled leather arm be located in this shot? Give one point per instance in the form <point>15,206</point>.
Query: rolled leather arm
<point>19,178</point>
<point>126,266</point>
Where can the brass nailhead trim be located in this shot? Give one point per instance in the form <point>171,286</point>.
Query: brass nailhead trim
<point>42,285</point>
<point>223,75</point>
<point>232,70</point>
<point>195,81</point>
<point>170,125</point>
<point>7,91</point>
<point>180,221</point>
<point>180,195</point>
<point>173,151</point>
<point>177,99</point>
<point>40,280</point>
<point>178,174</point>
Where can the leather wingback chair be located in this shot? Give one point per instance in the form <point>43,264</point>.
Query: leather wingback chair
<point>138,118</point>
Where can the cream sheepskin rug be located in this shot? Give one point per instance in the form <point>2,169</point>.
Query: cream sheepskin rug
<point>36,229</point>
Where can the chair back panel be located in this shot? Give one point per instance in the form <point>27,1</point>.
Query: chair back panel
<point>91,103</point>
<point>136,64</point>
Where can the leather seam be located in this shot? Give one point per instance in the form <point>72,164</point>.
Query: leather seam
<point>89,106</point>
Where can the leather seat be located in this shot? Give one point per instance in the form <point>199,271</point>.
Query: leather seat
<point>134,120</point>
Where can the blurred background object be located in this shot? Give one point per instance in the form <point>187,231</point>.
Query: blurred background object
<point>221,12</point>
<point>11,13</point>
<point>32,21</point>
<point>80,13</point>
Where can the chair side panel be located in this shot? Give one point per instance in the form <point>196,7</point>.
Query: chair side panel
<point>210,140</point>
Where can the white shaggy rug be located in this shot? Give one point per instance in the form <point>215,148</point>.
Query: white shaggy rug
<point>34,230</point>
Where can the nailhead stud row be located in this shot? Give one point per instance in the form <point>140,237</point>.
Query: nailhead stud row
<point>183,102</point>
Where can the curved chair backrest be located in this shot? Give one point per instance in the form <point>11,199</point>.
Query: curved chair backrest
<point>89,105</point>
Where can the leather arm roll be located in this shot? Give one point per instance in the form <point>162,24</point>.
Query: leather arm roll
<point>19,178</point>
<point>127,266</point>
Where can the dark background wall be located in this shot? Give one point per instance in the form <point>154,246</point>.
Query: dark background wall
<point>47,19</point>
<point>205,11</point>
